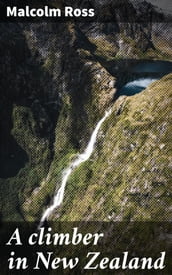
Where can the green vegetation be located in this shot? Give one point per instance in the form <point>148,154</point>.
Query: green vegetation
<point>108,48</point>
<point>15,190</point>
<point>128,177</point>
<point>105,48</point>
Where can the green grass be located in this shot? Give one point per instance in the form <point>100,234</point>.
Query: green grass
<point>120,179</point>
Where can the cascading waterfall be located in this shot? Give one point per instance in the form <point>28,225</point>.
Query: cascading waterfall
<point>142,82</point>
<point>58,198</point>
<point>136,86</point>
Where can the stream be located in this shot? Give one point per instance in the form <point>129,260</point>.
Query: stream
<point>59,195</point>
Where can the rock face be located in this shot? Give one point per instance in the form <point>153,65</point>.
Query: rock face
<point>58,79</point>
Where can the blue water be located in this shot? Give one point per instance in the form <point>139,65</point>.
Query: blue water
<point>164,67</point>
<point>136,86</point>
<point>153,70</point>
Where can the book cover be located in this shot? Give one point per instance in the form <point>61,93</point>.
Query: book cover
<point>85,137</point>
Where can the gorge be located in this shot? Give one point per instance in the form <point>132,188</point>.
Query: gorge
<point>157,68</point>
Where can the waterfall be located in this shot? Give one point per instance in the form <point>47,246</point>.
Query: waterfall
<point>136,86</point>
<point>142,82</point>
<point>58,198</point>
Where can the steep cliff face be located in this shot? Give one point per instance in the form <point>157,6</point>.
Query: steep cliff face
<point>51,85</point>
<point>86,89</point>
<point>28,119</point>
<point>58,79</point>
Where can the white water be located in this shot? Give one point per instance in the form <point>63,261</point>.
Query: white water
<point>142,82</point>
<point>58,198</point>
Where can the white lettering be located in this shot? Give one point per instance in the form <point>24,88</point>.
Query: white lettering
<point>34,235</point>
<point>55,263</point>
<point>159,263</point>
<point>91,12</point>
<point>115,263</point>
<point>134,263</point>
<point>45,261</point>
<point>95,255</point>
<point>11,11</point>
<point>15,237</point>
<point>68,11</point>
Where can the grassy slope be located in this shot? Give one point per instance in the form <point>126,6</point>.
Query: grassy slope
<point>107,48</point>
<point>128,176</point>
